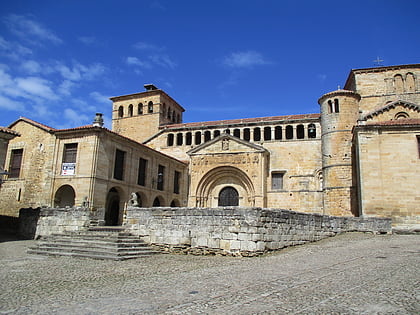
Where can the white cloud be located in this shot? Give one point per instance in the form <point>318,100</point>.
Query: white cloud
<point>36,86</point>
<point>100,98</point>
<point>163,61</point>
<point>65,87</point>
<point>79,72</point>
<point>10,104</point>
<point>73,118</point>
<point>31,66</point>
<point>147,46</point>
<point>134,61</point>
<point>30,30</point>
<point>87,40</point>
<point>13,50</point>
<point>245,59</point>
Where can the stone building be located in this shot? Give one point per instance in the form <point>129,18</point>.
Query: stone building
<point>360,156</point>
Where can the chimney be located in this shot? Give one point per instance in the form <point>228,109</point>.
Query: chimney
<point>98,121</point>
<point>150,87</point>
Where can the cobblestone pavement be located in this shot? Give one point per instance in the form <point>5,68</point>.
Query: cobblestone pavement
<point>349,274</point>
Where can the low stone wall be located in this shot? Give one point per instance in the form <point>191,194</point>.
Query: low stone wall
<point>239,231</point>
<point>59,220</point>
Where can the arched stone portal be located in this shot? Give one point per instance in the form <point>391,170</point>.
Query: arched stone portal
<point>64,197</point>
<point>112,212</point>
<point>212,185</point>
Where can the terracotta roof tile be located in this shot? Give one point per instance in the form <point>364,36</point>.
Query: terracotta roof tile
<point>397,122</point>
<point>9,131</point>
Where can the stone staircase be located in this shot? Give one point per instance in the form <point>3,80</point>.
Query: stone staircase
<point>97,243</point>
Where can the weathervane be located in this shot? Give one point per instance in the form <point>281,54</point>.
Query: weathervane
<point>378,61</point>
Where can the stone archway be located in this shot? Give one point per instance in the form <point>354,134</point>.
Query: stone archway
<point>64,197</point>
<point>216,180</point>
<point>112,208</point>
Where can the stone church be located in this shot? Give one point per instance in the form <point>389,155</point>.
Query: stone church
<point>359,156</point>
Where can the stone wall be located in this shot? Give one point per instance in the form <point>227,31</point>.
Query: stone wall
<point>60,220</point>
<point>239,231</point>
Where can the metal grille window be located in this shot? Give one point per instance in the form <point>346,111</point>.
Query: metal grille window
<point>277,181</point>
<point>228,196</point>
<point>119,164</point>
<point>15,163</point>
<point>141,178</point>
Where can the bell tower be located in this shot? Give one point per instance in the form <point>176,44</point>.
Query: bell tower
<point>139,116</point>
<point>339,113</point>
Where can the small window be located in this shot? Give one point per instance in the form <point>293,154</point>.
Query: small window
<point>188,138</point>
<point>311,131</point>
<point>278,133</point>
<point>177,176</point>
<point>300,132</point>
<point>236,133</point>
<point>173,116</point>
<point>289,132</point>
<point>169,113</point>
<point>170,140</point>
<point>330,107</point>
<point>216,133</point>
<point>267,133</point>
<point>150,107</point>
<point>198,137</point>
<point>141,178</point>
<point>119,164</point>
<point>336,106</point>
<point>120,112</point>
<point>130,110</point>
<point>160,177</point>
<point>207,136</point>
<point>247,134</point>
<point>257,134</point>
<point>277,181</point>
<point>15,163</point>
<point>140,109</point>
<point>179,138</point>
<point>227,131</point>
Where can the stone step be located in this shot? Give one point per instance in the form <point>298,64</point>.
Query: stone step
<point>97,244</point>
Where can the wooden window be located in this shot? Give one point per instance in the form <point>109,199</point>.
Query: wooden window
<point>141,177</point>
<point>277,181</point>
<point>70,153</point>
<point>160,177</point>
<point>119,164</point>
<point>228,196</point>
<point>177,176</point>
<point>15,163</point>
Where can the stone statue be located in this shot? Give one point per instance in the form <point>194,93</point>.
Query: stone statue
<point>133,201</point>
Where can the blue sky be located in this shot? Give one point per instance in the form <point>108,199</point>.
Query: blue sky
<point>60,61</point>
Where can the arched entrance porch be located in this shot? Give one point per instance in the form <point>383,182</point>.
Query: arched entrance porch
<point>113,213</point>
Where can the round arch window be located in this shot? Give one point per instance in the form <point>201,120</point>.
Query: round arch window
<point>228,196</point>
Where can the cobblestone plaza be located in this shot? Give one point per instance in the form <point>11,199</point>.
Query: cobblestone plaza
<point>352,273</point>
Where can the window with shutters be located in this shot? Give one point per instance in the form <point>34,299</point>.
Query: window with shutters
<point>277,180</point>
<point>68,166</point>
<point>15,163</point>
<point>119,164</point>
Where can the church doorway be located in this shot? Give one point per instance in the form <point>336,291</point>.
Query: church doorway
<point>112,212</point>
<point>228,196</point>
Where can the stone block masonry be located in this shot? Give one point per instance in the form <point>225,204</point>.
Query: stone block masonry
<point>239,231</point>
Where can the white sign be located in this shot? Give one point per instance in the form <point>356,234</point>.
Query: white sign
<point>68,168</point>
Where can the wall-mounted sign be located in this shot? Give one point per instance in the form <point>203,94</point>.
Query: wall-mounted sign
<point>68,168</point>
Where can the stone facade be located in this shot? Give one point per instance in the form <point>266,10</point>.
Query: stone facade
<point>343,161</point>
